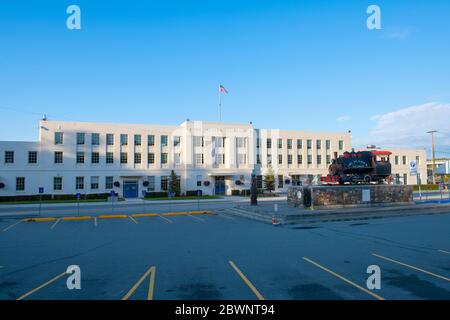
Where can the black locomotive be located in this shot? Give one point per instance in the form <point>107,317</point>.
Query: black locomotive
<point>360,167</point>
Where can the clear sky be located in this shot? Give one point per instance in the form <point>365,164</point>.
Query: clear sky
<point>310,65</point>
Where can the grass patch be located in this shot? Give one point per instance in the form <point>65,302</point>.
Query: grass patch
<point>186,198</point>
<point>52,201</point>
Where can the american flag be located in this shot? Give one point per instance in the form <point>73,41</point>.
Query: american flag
<point>222,89</point>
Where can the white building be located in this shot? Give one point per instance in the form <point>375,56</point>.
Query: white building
<point>217,158</point>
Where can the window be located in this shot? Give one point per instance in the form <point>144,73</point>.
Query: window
<point>137,158</point>
<point>199,181</point>
<point>164,141</point>
<point>259,182</point>
<point>164,183</point>
<point>280,159</point>
<point>59,137</point>
<point>328,159</point>
<point>269,143</point>
<point>417,160</point>
<point>269,159</point>
<point>9,156</point>
<point>151,158</point>
<point>299,159</point>
<point>109,139</point>
<point>404,161</point>
<point>219,142</point>
<point>396,160</point>
<point>341,145</point>
<point>95,139</point>
<point>309,159</point>
<point>151,140</point>
<point>94,183</point>
<point>241,142</point>
<point>309,144</point>
<point>198,141</point>
<point>109,157</point>
<point>151,183</point>
<point>57,183</point>
<point>109,182</point>
<point>137,140</point>
<point>199,159</point>
<point>58,157</point>
<point>328,144</point>
<point>299,143</point>
<point>177,158</point>
<point>20,184</point>
<point>319,159</point>
<point>32,157</point>
<point>123,157</point>
<point>280,143</point>
<point>289,159</point>
<point>163,158</point>
<point>289,143</point>
<point>80,157</point>
<point>176,140</point>
<point>405,178</point>
<point>95,157</point>
<point>220,159</point>
<point>242,158</point>
<point>318,144</point>
<point>79,183</point>
<point>123,139</point>
<point>280,181</point>
<point>80,137</point>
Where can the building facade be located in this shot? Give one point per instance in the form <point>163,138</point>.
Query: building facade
<point>216,158</point>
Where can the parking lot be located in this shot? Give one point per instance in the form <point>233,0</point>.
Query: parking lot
<point>215,256</point>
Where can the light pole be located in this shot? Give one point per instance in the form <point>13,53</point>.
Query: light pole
<point>433,170</point>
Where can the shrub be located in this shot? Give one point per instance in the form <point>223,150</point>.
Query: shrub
<point>235,192</point>
<point>156,194</point>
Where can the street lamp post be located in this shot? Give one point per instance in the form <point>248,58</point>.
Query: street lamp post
<point>433,170</point>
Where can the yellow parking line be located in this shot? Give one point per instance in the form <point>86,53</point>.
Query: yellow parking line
<point>247,282</point>
<point>40,219</point>
<point>137,215</point>
<point>41,286</point>
<point>151,271</point>
<point>344,279</point>
<point>56,222</point>
<point>444,251</point>
<point>77,218</point>
<point>113,216</point>
<point>13,225</point>
<point>133,219</point>
<point>167,219</point>
<point>412,267</point>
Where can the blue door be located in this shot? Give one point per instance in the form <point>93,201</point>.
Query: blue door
<point>219,187</point>
<point>130,190</point>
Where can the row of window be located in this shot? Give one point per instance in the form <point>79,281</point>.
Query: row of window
<point>95,139</point>
<point>290,159</point>
<point>94,183</point>
<point>309,143</point>
<point>404,160</point>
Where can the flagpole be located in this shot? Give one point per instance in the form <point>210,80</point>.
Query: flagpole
<point>220,104</point>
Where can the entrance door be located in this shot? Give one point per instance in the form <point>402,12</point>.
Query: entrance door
<point>130,189</point>
<point>219,186</point>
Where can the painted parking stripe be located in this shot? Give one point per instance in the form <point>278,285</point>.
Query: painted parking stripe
<point>412,267</point>
<point>151,271</point>
<point>11,226</point>
<point>41,286</point>
<point>444,251</point>
<point>133,219</point>
<point>56,222</point>
<point>196,218</point>
<point>167,219</point>
<point>343,279</point>
<point>95,221</point>
<point>247,282</point>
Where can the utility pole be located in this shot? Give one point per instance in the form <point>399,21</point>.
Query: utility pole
<point>432,132</point>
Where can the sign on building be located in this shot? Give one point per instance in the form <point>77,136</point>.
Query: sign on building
<point>413,168</point>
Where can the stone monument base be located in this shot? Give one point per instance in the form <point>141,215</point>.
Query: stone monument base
<point>342,196</point>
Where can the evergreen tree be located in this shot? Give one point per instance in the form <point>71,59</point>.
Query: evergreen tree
<point>269,180</point>
<point>174,184</point>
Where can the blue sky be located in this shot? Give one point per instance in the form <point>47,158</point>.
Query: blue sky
<point>310,65</point>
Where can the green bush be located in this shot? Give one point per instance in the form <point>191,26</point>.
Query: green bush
<point>156,194</point>
<point>245,192</point>
<point>235,192</point>
<point>192,193</point>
